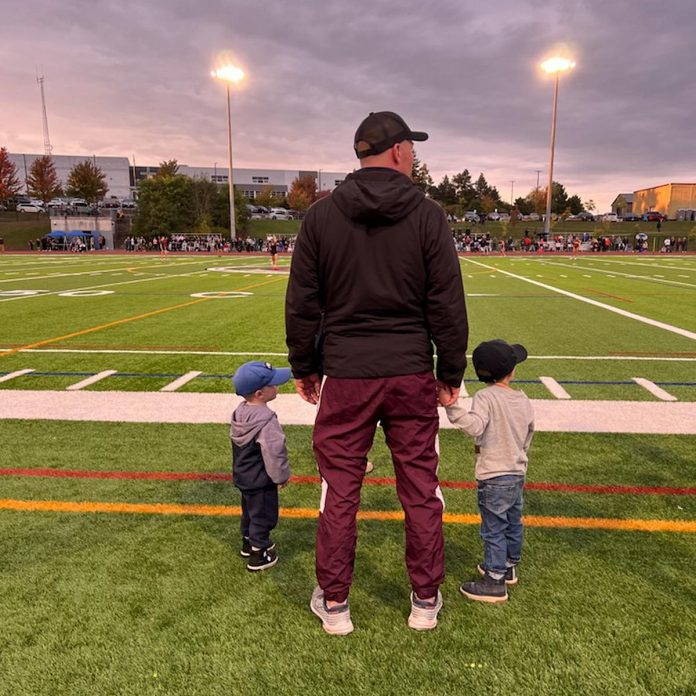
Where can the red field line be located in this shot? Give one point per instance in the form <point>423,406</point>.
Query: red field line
<point>371,481</point>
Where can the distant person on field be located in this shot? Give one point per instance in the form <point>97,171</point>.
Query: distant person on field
<point>375,283</point>
<point>259,459</point>
<point>273,250</point>
<point>502,423</point>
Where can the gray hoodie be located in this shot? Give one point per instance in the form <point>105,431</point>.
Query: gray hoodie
<point>502,423</point>
<point>258,423</point>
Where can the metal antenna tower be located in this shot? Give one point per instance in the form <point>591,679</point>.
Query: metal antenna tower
<point>47,140</point>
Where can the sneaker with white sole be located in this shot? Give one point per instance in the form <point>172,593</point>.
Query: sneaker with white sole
<point>487,589</point>
<point>423,616</point>
<point>261,559</point>
<point>335,620</point>
<point>510,574</point>
<point>245,551</point>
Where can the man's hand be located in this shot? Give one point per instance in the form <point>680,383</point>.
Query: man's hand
<point>309,388</point>
<point>446,395</point>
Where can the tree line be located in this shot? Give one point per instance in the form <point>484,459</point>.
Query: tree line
<point>460,193</point>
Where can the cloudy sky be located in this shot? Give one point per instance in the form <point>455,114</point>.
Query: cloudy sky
<point>132,78</point>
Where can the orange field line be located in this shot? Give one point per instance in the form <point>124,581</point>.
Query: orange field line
<point>629,525</point>
<point>125,320</point>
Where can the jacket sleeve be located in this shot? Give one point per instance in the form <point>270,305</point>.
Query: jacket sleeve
<point>446,307</point>
<point>271,439</point>
<point>472,422</point>
<point>302,303</point>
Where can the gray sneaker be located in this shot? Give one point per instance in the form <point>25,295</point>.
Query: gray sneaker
<point>336,620</point>
<point>423,616</point>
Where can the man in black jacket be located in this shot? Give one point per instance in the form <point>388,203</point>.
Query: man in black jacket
<point>374,283</point>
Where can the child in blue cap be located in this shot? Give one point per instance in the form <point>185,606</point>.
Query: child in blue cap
<point>259,459</point>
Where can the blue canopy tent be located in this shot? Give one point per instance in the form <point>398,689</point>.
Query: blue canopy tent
<point>69,234</point>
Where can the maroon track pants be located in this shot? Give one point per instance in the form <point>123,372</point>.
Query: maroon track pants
<point>345,427</point>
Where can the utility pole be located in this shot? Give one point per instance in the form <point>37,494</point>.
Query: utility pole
<point>512,192</point>
<point>538,171</point>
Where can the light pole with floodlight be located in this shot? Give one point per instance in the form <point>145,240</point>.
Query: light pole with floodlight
<point>553,66</point>
<point>231,74</point>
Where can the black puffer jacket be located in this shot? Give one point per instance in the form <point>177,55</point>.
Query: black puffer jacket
<point>376,273</point>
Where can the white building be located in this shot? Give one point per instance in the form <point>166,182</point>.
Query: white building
<point>122,177</point>
<point>116,170</point>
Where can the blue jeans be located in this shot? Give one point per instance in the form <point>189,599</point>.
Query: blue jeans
<point>500,502</point>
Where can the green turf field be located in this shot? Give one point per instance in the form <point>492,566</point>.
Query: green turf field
<point>149,604</point>
<point>99,597</point>
<point>67,317</point>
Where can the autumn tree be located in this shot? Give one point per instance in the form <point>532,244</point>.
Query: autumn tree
<point>9,182</point>
<point>87,181</point>
<point>43,182</point>
<point>303,192</point>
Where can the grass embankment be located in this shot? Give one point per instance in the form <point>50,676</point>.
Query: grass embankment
<point>17,229</point>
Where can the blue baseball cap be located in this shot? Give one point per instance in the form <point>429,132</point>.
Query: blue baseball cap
<point>256,375</point>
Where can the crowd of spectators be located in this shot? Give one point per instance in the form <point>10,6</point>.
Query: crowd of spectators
<point>185,243</point>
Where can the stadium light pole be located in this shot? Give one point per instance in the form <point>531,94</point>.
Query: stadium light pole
<point>231,75</point>
<point>553,66</point>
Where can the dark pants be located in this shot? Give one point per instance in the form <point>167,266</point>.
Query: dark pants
<point>349,412</point>
<point>500,501</point>
<point>259,515</point>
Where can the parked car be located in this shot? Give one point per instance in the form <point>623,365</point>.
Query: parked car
<point>631,217</point>
<point>653,216</point>
<point>471,216</point>
<point>280,214</point>
<point>610,217</point>
<point>495,216</point>
<point>581,217</point>
<point>29,208</point>
<point>128,204</point>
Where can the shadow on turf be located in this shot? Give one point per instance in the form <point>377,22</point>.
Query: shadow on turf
<point>380,565</point>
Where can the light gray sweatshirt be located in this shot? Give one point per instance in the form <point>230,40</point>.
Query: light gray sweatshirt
<point>260,423</point>
<point>501,421</point>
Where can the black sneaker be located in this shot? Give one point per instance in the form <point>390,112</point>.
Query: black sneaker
<point>262,559</point>
<point>488,589</point>
<point>245,551</point>
<point>510,574</point>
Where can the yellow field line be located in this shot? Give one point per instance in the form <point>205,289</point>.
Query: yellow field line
<point>108,325</point>
<point>629,525</point>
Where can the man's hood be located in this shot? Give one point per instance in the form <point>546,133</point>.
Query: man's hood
<point>377,196</point>
<point>247,421</point>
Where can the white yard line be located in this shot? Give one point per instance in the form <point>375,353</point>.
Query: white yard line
<point>96,287</point>
<point>554,387</point>
<point>90,380</point>
<point>177,383</point>
<point>616,310</point>
<point>633,276</point>
<point>12,375</point>
<point>106,270</point>
<point>181,407</point>
<point>659,392</point>
<point>115,351</point>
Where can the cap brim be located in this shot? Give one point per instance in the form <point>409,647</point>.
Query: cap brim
<point>281,376</point>
<point>520,352</point>
<point>418,136</point>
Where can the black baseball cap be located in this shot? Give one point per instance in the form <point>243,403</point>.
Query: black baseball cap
<point>495,359</point>
<point>380,130</point>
